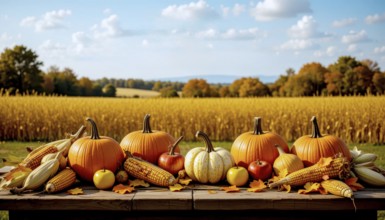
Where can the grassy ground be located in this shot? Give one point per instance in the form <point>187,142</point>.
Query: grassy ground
<point>14,152</point>
<point>129,93</point>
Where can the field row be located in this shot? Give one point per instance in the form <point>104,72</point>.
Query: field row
<point>354,119</point>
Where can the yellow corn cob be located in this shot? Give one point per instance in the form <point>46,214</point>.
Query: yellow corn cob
<point>62,160</point>
<point>34,151</point>
<point>338,167</point>
<point>15,177</point>
<point>147,171</point>
<point>61,181</point>
<point>39,176</point>
<point>35,160</point>
<point>337,187</point>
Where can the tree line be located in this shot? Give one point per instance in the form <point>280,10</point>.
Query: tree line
<point>20,72</point>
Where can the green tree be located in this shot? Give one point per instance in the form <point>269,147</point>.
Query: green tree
<point>48,84</point>
<point>168,92</point>
<point>20,69</point>
<point>196,88</point>
<point>109,90</point>
<point>341,77</point>
<point>97,90</point>
<point>65,81</point>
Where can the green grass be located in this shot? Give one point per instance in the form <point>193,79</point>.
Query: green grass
<point>141,93</point>
<point>14,152</point>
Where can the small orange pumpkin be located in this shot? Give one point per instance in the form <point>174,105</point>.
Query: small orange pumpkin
<point>311,148</point>
<point>148,144</point>
<point>257,145</point>
<point>90,154</point>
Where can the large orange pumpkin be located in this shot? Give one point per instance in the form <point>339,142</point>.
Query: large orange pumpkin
<point>90,154</point>
<point>257,144</point>
<point>311,148</point>
<point>148,144</point>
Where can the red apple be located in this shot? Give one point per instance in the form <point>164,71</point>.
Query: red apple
<point>171,161</point>
<point>260,169</point>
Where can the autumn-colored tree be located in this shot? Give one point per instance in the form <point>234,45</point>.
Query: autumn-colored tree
<point>48,84</point>
<point>109,90</point>
<point>311,76</point>
<point>85,86</point>
<point>224,91</point>
<point>196,88</point>
<point>252,87</point>
<point>20,69</point>
<point>379,83</point>
<point>168,92</point>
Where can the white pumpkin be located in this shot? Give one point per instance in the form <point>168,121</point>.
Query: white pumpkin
<point>208,164</point>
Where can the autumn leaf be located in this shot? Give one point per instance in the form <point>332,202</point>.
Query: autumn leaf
<point>229,189</point>
<point>138,182</point>
<point>212,191</point>
<point>182,174</point>
<point>257,186</point>
<point>75,191</point>
<point>185,181</point>
<point>325,161</point>
<point>352,183</point>
<point>20,170</point>
<point>123,189</point>
<point>285,187</point>
<point>310,187</point>
<point>176,188</point>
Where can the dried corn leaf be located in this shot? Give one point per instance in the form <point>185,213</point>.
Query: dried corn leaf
<point>309,188</point>
<point>230,189</point>
<point>75,191</point>
<point>352,183</point>
<point>123,189</point>
<point>176,188</point>
<point>18,171</point>
<point>257,186</point>
<point>325,161</point>
<point>138,182</point>
<point>185,181</point>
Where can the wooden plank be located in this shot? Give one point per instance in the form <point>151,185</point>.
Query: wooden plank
<point>274,200</point>
<point>162,199</point>
<point>90,200</point>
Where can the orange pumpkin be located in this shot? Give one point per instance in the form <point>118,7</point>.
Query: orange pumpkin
<point>90,154</point>
<point>257,145</point>
<point>148,144</point>
<point>311,148</point>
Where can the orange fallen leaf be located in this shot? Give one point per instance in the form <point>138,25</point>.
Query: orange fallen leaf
<point>185,181</point>
<point>138,182</point>
<point>310,187</point>
<point>229,189</point>
<point>352,183</point>
<point>285,187</point>
<point>75,191</point>
<point>325,161</point>
<point>123,189</point>
<point>257,186</point>
<point>176,188</point>
<point>212,191</point>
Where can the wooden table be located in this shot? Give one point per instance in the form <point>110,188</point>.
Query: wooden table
<point>197,202</point>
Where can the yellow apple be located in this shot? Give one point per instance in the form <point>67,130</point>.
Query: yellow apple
<point>237,176</point>
<point>104,179</point>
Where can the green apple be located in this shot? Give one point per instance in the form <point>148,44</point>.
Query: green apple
<point>237,176</point>
<point>104,179</point>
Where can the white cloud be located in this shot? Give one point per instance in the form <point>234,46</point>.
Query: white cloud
<point>109,28</point>
<point>376,18</point>
<point>238,9</point>
<point>207,34</point>
<point>48,45</point>
<point>210,46</point>
<point>231,34</point>
<point>50,20</point>
<point>145,43</point>
<point>81,41</point>
<point>344,22</point>
<point>191,11</point>
<point>352,47</point>
<point>305,28</point>
<point>5,37</point>
<point>107,11</point>
<point>297,44</point>
<point>225,10</point>
<point>268,10</point>
<point>330,51</point>
<point>355,37</point>
<point>379,49</point>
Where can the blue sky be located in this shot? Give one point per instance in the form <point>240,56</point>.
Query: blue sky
<point>155,39</point>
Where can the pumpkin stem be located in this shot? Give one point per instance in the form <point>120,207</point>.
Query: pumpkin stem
<point>175,145</point>
<point>316,133</point>
<point>94,130</point>
<point>279,148</point>
<point>146,124</point>
<point>258,126</point>
<point>206,139</point>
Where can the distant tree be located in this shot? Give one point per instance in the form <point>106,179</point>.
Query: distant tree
<point>48,84</point>
<point>379,83</point>
<point>278,87</point>
<point>224,91</point>
<point>97,90</point>
<point>20,69</point>
<point>235,86</point>
<point>311,76</point>
<point>252,87</point>
<point>157,86</point>
<point>168,92</point>
<point>85,86</point>
<point>109,90</point>
<point>196,88</point>
<point>65,81</point>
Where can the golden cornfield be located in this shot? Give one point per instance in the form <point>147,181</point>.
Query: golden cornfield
<point>354,119</point>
